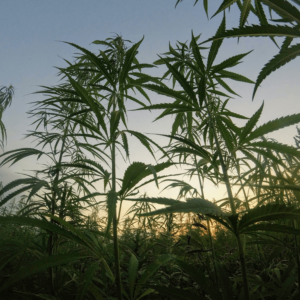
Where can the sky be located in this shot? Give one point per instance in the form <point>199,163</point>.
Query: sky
<point>31,47</point>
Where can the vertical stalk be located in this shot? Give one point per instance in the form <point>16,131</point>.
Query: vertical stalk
<point>296,246</point>
<point>115,221</point>
<point>53,204</point>
<point>231,201</point>
<point>208,228</point>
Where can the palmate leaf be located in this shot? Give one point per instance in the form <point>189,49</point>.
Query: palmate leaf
<point>277,147</point>
<point>273,126</point>
<point>183,82</point>
<point>197,54</point>
<point>111,204</point>
<point>216,44</point>
<point>45,225</point>
<point>114,122</point>
<point>162,90</point>
<point>199,278</point>
<point>132,274</point>
<point>14,156</point>
<point>284,8</point>
<point>276,62</point>
<point>228,138</point>
<point>200,150</point>
<point>224,85</point>
<point>130,55</point>
<point>137,171</point>
<point>258,30</point>
<point>195,205</point>
<point>90,101</point>
<point>269,212</point>
<point>158,200</point>
<point>151,270</point>
<point>234,76</point>
<point>282,187</point>
<point>97,61</point>
<point>251,124</point>
<point>270,227</point>
<point>18,182</point>
<point>228,63</point>
<point>145,141</point>
<point>245,12</point>
<point>224,5</point>
<point>15,193</point>
<point>87,279</point>
<point>175,293</point>
<point>40,265</point>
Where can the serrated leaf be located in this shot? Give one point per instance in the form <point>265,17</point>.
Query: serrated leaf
<point>151,270</point>
<point>40,265</point>
<point>284,9</point>
<point>251,124</point>
<point>195,205</point>
<point>277,62</point>
<point>216,44</point>
<point>258,30</point>
<point>273,126</point>
<point>270,227</point>
<point>269,212</point>
<point>132,274</point>
<point>245,12</point>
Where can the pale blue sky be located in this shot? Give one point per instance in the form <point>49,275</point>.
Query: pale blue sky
<point>30,48</point>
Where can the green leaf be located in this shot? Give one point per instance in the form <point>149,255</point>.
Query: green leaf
<point>40,265</point>
<point>167,92</point>
<point>114,122</point>
<point>284,9</point>
<point>132,274</point>
<point>270,227</point>
<point>182,81</point>
<point>111,202</point>
<point>234,76</point>
<point>224,5</point>
<point>199,278</point>
<point>216,45</point>
<point>198,149</point>
<point>257,30</point>
<point>197,54</point>
<point>130,55</point>
<point>228,63</point>
<point>151,270</point>
<point>281,148</point>
<point>18,154</point>
<point>175,293</point>
<point>251,124</point>
<point>273,126</point>
<point>276,62</point>
<point>195,205</point>
<point>87,280</point>
<point>225,283</point>
<point>269,212</point>
<point>158,200</point>
<point>97,61</point>
<point>245,12</point>
<point>137,171</point>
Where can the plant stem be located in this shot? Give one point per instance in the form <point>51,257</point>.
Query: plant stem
<point>208,228</point>
<point>231,201</point>
<point>115,222</point>
<point>53,204</point>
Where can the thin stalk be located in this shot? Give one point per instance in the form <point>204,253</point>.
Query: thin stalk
<point>296,246</point>
<point>115,222</point>
<point>231,201</point>
<point>53,204</point>
<point>208,227</point>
